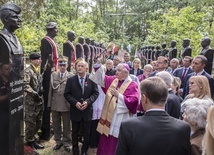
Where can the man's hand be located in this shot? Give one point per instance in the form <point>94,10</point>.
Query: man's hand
<point>79,105</point>
<point>114,92</point>
<point>84,105</point>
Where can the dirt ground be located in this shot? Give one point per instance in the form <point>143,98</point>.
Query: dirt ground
<point>51,143</point>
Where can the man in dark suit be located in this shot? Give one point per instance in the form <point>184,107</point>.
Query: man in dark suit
<point>198,64</point>
<point>172,106</point>
<point>184,71</point>
<point>162,64</point>
<point>81,92</point>
<point>155,132</point>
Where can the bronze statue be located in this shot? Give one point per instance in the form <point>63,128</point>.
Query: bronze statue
<point>49,54</point>
<point>173,50</point>
<point>187,50</point>
<point>164,51</point>
<point>157,52</point>
<point>79,48</point>
<point>208,53</point>
<point>69,49</point>
<point>87,51</point>
<point>11,82</point>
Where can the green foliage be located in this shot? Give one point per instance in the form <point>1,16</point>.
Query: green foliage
<point>156,21</point>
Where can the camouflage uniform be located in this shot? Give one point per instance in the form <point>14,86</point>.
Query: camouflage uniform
<point>33,109</point>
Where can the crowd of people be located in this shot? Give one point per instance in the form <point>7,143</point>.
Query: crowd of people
<point>109,108</point>
<point>159,103</point>
<point>100,101</point>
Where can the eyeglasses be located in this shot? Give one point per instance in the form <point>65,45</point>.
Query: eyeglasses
<point>159,62</point>
<point>62,65</point>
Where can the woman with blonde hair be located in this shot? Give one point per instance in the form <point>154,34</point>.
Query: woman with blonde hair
<point>176,87</point>
<point>208,140</point>
<point>199,88</point>
<point>136,70</point>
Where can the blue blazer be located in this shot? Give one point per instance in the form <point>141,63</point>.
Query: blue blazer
<point>179,72</point>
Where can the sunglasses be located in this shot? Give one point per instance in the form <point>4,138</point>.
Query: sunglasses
<point>62,65</point>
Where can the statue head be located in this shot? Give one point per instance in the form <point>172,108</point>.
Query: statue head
<point>186,42</point>
<point>173,43</point>
<point>11,16</point>
<point>153,47</point>
<point>205,42</point>
<point>81,40</point>
<point>92,42</point>
<point>157,47</point>
<point>52,30</point>
<point>87,40</point>
<point>163,45</point>
<point>71,35</point>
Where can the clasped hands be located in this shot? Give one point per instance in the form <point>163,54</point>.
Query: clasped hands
<point>82,106</point>
<point>114,92</point>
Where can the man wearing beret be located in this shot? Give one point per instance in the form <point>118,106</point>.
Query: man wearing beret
<point>60,108</point>
<point>33,101</point>
<point>49,54</point>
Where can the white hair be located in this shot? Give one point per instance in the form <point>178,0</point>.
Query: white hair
<point>167,77</point>
<point>148,66</point>
<point>109,61</point>
<point>196,111</point>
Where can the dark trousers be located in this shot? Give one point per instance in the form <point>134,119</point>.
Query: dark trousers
<point>46,114</point>
<point>95,135</point>
<point>86,126</point>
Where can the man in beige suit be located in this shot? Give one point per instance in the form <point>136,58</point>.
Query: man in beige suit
<point>59,106</point>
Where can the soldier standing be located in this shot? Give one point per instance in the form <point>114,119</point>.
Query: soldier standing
<point>59,106</point>
<point>34,106</point>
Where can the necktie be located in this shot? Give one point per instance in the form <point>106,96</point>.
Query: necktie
<point>184,74</point>
<point>82,85</point>
<point>61,75</point>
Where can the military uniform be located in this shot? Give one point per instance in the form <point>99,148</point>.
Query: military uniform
<point>60,108</point>
<point>33,108</point>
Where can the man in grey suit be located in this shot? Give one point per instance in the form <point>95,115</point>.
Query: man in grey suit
<point>59,106</point>
<point>155,132</point>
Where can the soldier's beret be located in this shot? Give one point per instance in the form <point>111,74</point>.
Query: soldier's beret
<point>34,56</point>
<point>62,60</point>
<point>11,7</point>
<point>51,25</point>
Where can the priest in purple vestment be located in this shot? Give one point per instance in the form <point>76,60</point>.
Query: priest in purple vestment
<point>121,101</point>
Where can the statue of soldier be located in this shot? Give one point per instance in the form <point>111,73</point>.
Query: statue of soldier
<point>69,49</point>
<point>149,58</point>
<point>11,72</point>
<point>79,48</point>
<point>187,50</point>
<point>153,53</point>
<point>49,56</point>
<point>173,50</point>
<point>87,51</point>
<point>157,52</point>
<point>34,106</point>
<point>146,53</point>
<point>164,51</point>
<point>208,53</point>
